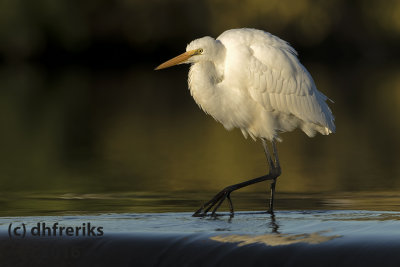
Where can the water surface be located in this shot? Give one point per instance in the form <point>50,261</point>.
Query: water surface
<point>35,203</point>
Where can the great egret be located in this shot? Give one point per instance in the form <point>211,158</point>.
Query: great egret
<point>252,80</point>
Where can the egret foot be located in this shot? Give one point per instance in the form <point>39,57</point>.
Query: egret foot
<point>217,200</point>
<point>274,173</point>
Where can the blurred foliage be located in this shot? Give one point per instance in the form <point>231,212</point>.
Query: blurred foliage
<point>41,28</point>
<point>83,111</point>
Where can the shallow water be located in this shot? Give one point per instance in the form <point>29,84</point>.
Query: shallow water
<point>306,230</point>
<point>35,204</point>
<point>161,212</point>
<point>321,222</point>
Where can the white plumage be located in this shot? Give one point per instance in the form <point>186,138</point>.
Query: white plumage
<point>252,80</point>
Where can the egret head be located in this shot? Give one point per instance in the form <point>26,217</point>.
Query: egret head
<point>203,49</point>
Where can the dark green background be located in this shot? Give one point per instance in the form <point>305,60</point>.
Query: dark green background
<point>83,112</point>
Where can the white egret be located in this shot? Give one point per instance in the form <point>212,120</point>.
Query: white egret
<point>252,80</point>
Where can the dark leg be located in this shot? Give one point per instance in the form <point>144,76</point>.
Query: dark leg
<point>272,197</point>
<point>276,168</point>
<point>216,201</point>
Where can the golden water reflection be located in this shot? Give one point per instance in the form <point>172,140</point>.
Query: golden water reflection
<point>274,239</point>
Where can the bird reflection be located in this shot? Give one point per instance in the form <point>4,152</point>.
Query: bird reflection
<point>273,224</point>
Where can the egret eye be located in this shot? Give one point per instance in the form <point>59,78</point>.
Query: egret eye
<point>200,51</point>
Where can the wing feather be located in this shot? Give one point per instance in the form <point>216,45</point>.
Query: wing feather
<point>286,76</point>
<point>276,78</point>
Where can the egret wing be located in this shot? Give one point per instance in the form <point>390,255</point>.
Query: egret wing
<point>278,81</point>
<point>273,76</point>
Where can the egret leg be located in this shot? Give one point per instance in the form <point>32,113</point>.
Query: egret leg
<point>230,203</point>
<point>272,196</point>
<point>268,155</point>
<point>274,172</point>
<point>274,167</point>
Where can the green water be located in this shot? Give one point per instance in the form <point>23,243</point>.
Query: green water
<point>46,204</point>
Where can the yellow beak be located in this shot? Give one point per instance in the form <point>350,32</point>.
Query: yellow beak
<point>177,60</point>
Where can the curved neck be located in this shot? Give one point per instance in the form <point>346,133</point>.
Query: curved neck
<point>203,85</point>
<point>203,75</point>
